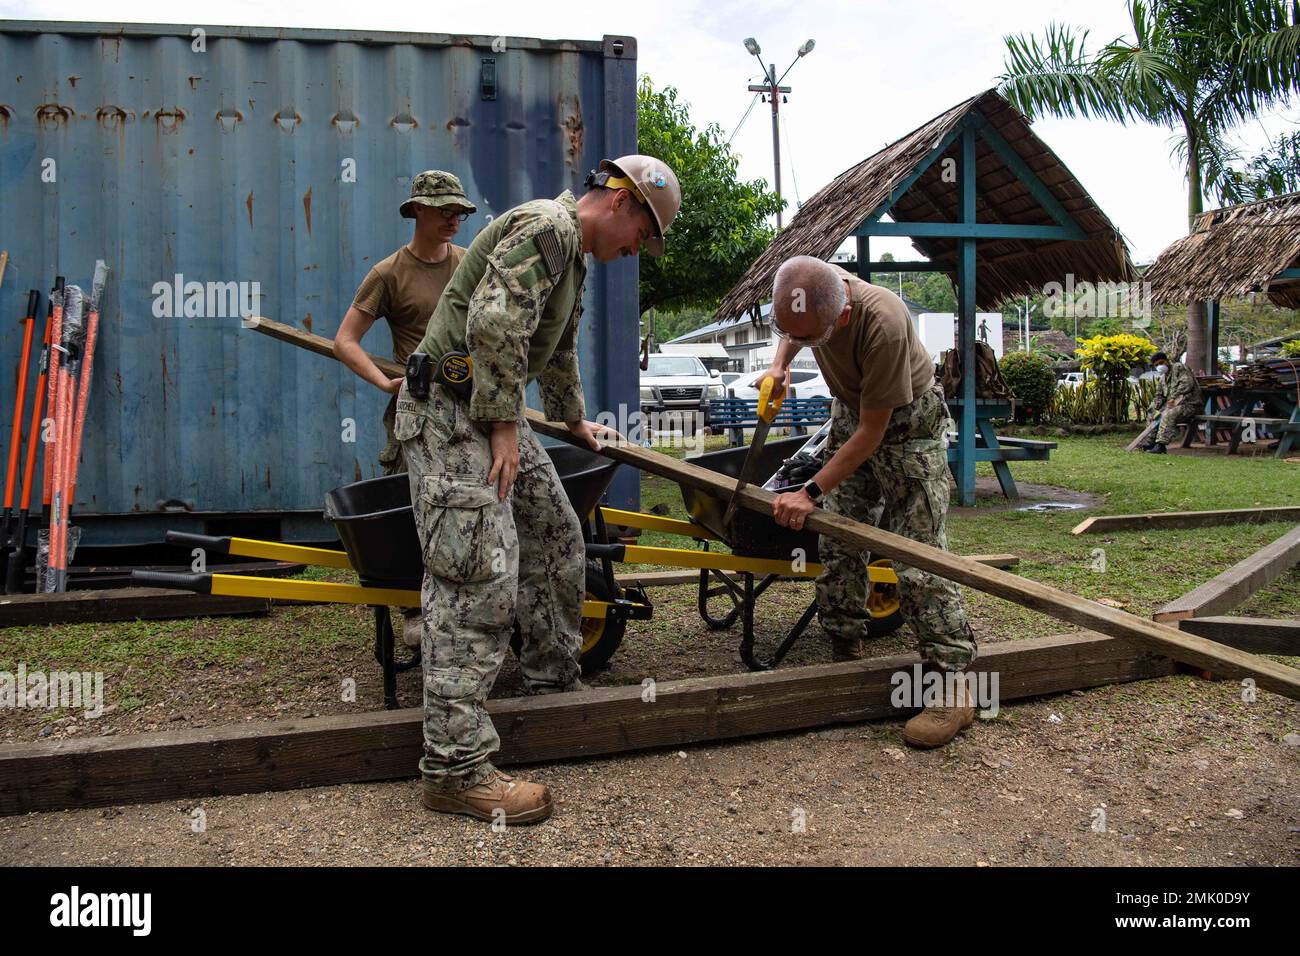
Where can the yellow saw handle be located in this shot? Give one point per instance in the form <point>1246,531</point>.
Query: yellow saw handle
<point>767,408</point>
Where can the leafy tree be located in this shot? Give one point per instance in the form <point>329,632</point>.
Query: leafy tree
<point>1032,380</point>
<point>1274,172</point>
<point>722,226</point>
<point>1196,67</point>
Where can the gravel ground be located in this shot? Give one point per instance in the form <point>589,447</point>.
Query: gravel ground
<point>1183,771</point>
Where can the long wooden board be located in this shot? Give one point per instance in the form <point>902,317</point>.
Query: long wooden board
<point>384,745</point>
<point>1186,648</point>
<point>1136,443</point>
<point>1225,591</point>
<point>1255,634</point>
<point>121,604</point>
<point>1172,520</point>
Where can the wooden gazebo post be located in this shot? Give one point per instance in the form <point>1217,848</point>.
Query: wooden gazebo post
<point>966,233</point>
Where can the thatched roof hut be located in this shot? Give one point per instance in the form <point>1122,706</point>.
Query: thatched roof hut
<point>1233,252</point>
<point>1004,267</point>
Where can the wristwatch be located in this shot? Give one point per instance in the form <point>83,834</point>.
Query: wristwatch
<point>812,490</point>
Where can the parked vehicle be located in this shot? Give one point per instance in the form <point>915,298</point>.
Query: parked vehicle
<point>807,383</point>
<point>679,386</point>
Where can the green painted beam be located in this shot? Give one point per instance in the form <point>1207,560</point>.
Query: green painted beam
<point>963,230</point>
<point>919,171</point>
<point>1037,188</point>
<point>1287,274</point>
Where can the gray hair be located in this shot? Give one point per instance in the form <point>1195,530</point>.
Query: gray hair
<point>806,284</point>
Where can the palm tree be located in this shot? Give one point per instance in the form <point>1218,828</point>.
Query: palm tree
<point>1196,67</point>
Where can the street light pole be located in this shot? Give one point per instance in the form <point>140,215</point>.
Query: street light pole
<point>774,91</point>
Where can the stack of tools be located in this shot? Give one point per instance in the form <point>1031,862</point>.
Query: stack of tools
<point>13,531</point>
<point>76,327</point>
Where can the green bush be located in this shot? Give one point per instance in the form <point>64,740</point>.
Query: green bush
<point>1291,349</point>
<point>1032,380</point>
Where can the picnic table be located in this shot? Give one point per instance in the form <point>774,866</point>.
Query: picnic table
<point>994,448</point>
<point>1267,412</point>
<point>737,414</point>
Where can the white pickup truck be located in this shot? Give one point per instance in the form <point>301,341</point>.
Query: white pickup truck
<point>680,385</point>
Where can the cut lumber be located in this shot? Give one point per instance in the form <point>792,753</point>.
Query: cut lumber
<point>662,578</point>
<point>383,745</point>
<point>1255,634</point>
<point>1185,648</point>
<point>1227,590</point>
<point>1136,443</point>
<point>121,604</point>
<point>1168,520</point>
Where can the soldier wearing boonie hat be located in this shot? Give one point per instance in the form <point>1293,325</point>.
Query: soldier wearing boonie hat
<point>436,188</point>
<point>404,289</point>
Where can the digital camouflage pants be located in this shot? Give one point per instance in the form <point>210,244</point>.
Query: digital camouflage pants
<point>902,488</point>
<point>391,458</point>
<point>487,564</point>
<point>1171,418</point>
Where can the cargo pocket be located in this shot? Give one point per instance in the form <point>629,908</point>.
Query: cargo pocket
<point>406,425</point>
<point>925,468</point>
<point>461,528</point>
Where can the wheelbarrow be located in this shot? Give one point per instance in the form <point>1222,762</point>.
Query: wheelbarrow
<point>755,537</point>
<point>376,526</point>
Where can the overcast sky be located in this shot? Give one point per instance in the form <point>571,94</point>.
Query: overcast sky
<point>879,70</point>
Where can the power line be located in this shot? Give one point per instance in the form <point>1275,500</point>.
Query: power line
<point>742,119</point>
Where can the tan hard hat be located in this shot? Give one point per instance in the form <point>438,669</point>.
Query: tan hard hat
<point>654,184</point>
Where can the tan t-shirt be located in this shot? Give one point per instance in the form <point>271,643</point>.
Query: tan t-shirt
<point>877,359</point>
<point>404,290</point>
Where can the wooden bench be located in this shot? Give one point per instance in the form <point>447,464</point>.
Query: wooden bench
<point>1236,424</point>
<point>737,414</point>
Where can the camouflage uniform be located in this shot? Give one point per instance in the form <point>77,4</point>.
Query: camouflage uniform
<point>514,304</point>
<point>1179,386</point>
<point>902,488</point>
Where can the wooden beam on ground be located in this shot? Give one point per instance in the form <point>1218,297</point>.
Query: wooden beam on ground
<point>384,745</point>
<point>121,604</point>
<point>1227,590</point>
<point>664,578</point>
<point>1136,443</point>
<point>1168,520</point>
<point>1185,648</point>
<point>1255,634</point>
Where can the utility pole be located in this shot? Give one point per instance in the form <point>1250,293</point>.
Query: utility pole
<point>775,92</point>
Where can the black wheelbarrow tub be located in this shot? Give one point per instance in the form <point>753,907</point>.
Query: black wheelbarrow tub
<point>376,524</point>
<point>752,535</point>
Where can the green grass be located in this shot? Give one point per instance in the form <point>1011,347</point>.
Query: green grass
<point>1143,570</point>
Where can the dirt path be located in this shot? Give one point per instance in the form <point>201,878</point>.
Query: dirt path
<point>1184,771</point>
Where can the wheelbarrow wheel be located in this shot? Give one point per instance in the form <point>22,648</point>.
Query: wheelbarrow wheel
<point>601,636</point>
<point>883,606</point>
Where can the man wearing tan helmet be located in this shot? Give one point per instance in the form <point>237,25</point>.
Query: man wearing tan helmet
<point>501,543</point>
<point>404,289</point>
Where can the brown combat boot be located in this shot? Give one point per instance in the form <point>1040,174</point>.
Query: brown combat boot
<point>935,726</point>
<point>500,797</point>
<point>847,648</point>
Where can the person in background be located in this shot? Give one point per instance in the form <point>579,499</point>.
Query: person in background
<point>1178,399</point>
<point>404,289</point>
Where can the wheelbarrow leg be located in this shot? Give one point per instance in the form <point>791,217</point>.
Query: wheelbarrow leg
<point>384,654</point>
<point>753,662</point>
<point>728,588</point>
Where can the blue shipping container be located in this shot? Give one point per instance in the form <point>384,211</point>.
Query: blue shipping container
<point>276,160</point>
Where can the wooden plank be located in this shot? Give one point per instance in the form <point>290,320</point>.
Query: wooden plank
<point>121,604</point>
<point>1166,520</point>
<point>1185,648</point>
<point>660,578</point>
<point>1136,443</point>
<point>1239,582</point>
<point>1255,634</point>
<point>383,745</point>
